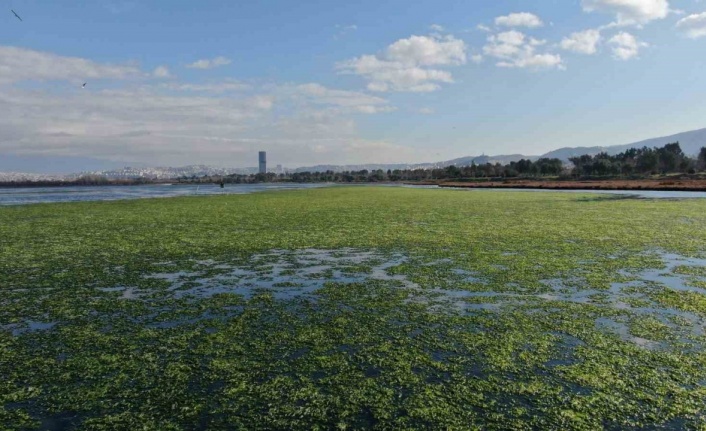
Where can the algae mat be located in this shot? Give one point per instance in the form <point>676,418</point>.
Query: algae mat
<point>354,308</point>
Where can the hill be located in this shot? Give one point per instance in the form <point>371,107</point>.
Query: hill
<point>690,142</point>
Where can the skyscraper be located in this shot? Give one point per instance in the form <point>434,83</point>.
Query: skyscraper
<point>263,162</point>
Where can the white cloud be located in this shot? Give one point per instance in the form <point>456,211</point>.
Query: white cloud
<point>177,123</point>
<point>625,46</point>
<point>511,37</point>
<point>161,72</point>
<point>630,12</point>
<point>343,101</point>
<point>515,50</point>
<point>534,61</point>
<point>370,109</point>
<point>225,86</point>
<point>484,28</point>
<point>395,76</point>
<point>351,27</point>
<point>150,127</point>
<point>477,58</point>
<point>426,111</point>
<point>344,29</point>
<point>694,26</point>
<point>436,27</point>
<point>20,64</point>
<point>582,42</point>
<point>263,102</point>
<point>405,64</point>
<point>209,64</point>
<point>505,45</point>
<point>127,123</point>
<point>428,51</point>
<point>522,19</point>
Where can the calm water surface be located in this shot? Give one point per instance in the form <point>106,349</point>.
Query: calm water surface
<point>32,195</point>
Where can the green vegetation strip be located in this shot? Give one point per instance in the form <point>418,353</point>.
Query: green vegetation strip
<point>430,309</point>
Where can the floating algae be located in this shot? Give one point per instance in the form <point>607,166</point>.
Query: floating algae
<point>354,308</point>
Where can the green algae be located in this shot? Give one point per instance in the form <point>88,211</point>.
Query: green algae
<point>492,310</point>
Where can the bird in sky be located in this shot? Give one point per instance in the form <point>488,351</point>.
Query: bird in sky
<point>84,85</point>
<point>18,17</point>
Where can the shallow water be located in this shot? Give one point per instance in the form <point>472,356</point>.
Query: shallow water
<point>284,274</point>
<point>291,275</point>
<point>29,326</point>
<point>32,195</point>
<point>296,275</point>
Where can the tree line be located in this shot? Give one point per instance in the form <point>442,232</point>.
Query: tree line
<point>642,161</point>
<point>541,167</point>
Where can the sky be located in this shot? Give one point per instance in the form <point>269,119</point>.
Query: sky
<point>176,82</point>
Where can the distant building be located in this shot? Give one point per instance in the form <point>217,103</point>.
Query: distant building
<point>279,169</point>
<point>263,162</point>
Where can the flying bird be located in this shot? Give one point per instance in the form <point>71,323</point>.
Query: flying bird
<point>84,85</point>
<point>18,17</point>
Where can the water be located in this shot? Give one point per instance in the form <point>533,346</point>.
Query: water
<point>284,274</point>
<point>289,275</point>
<point>32,195</point>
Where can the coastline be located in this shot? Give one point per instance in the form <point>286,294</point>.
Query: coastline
<point>663,184</point>
<point>685,185</point>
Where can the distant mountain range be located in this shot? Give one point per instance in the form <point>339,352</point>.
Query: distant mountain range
<point>691,142</point>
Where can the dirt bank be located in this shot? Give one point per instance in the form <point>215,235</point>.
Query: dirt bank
<point>696,185</point>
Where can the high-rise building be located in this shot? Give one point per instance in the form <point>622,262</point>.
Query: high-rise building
<point>279,169</point>
<point>263,162</point>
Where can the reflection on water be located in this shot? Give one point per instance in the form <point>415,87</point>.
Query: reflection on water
<point>285,274</point>
<point>31,195</point>
<point>28,326</point>
<point>306,274</point>
<point>439,285</point>
<point>623,331</point>
<point>680,273</point>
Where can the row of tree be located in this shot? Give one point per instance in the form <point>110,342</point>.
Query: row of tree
<point>642,161</point>
<point>542,167</point>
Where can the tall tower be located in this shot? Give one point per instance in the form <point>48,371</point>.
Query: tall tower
<point>263,162</point>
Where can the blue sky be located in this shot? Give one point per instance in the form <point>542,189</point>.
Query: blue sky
<point>183,82</point>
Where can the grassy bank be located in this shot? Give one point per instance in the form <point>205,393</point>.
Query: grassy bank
<point>384,308</point>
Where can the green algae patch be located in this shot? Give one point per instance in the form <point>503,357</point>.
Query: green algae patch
<point>354,308</point>
<point>686,301</point>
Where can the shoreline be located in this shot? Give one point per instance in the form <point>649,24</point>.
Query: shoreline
<point>615,185</point>
<point>665,184</point>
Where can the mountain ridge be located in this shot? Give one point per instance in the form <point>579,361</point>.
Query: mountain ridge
<point>690,142</point>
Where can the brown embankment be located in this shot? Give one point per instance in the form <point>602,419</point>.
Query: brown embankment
<point>696,185</point>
